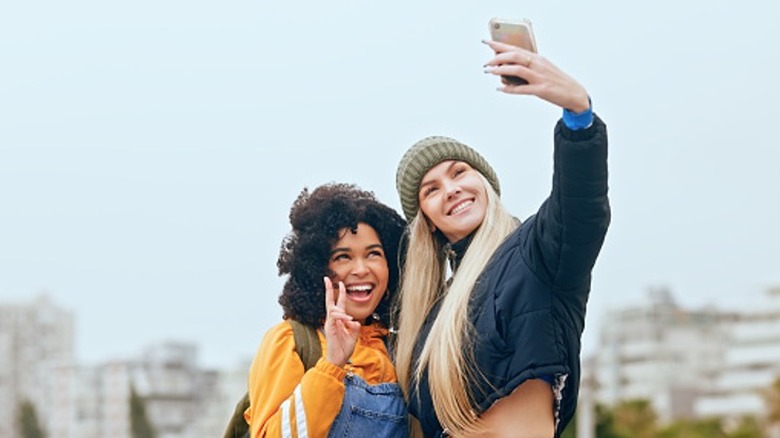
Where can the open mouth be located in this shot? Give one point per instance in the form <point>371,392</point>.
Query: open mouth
<point>461,206</point>
<point>360,292</point>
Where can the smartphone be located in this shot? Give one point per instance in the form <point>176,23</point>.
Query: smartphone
<point>518,33</point>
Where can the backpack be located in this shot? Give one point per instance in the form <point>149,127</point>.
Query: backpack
<point>307,345</point>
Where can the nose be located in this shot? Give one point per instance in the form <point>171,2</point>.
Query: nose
<point>359,268</point>
<point>451,188</point>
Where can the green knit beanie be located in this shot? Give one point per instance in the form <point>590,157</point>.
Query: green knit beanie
<point>424,155</point>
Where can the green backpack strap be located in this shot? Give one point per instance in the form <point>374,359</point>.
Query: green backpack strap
<point>307,345</point>
<point>237,427</point>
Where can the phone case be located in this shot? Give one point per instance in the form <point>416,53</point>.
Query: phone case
<point>515,32</point>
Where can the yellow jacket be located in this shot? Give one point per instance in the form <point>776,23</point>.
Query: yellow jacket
<point>283,398</point>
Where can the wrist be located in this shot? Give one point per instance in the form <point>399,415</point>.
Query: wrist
<point>335,362</point>
<point>331,369</point>
<point>576,120</point>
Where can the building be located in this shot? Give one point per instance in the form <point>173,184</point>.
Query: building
<point>36,338</point>
<point>181,398</point>
<point>660,352</point>
<point>689,363</point>
<point>751,363</point>
<point>230,386</point>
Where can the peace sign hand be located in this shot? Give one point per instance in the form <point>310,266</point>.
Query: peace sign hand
<point>341,331</point>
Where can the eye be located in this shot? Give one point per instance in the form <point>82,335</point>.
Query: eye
<point>459,170</point>
<point>428,190</point>
<point>339,257</point>
<point>377,253</point>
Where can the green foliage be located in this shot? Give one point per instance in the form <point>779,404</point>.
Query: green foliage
<point>748,427</point>
<point>772,401</point>
<point>139,423</point>
<point>707,428</point>
<point>27,419</point>
<point>605,423</point>
<point>571,429</point>
<point>636,418</point>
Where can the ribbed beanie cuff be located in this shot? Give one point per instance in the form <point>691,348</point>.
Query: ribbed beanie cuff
<point>424,155</point>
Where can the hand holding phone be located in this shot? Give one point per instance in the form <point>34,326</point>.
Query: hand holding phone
<point>517,33</point>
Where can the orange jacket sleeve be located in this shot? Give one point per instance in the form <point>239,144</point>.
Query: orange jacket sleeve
<point>282,399</point>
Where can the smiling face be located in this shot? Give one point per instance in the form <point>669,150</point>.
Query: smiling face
<point>453,198</point>
<point>358,260</point>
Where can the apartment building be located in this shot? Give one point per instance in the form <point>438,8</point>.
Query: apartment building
<point>660,352</point>
<point>72,400</point>
<point>751,363</point>
<point>689,363</point>
<point>36,337</point>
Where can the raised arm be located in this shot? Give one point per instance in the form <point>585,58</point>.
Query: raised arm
<point>569,228</point>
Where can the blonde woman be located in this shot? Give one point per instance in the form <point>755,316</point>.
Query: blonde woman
<point>493,351</point>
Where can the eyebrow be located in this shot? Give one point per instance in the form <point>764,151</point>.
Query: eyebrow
<point>429,182</point>
<point>369,247</point>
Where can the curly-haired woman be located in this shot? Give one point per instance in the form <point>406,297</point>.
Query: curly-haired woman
<point>341,235</point>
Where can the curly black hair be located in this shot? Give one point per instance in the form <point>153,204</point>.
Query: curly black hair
<point>316,219</point>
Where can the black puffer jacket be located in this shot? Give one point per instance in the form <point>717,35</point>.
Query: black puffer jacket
<point>528,307</point>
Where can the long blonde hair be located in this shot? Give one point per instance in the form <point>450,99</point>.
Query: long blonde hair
<point>446,352</point>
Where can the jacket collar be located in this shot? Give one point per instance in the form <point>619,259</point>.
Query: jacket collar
<point>456,251</point>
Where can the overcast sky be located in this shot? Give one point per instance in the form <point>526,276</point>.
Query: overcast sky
<point>150,150</point>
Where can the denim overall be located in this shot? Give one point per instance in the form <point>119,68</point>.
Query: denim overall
<point>377,411</point>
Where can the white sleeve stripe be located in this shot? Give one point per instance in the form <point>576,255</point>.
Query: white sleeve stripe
<point>300,414</point>
<point>286,429</point>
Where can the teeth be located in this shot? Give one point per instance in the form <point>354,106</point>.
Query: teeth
<point>363,288</point>
<point>460,207</point>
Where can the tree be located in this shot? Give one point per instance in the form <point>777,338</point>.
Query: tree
<point>703,428</point>
<point>747,427</point>
<point>27,419</point>
<point>634,418</point>
<point>605,425</point>
<point>139,423</point>
<point>772,401</point>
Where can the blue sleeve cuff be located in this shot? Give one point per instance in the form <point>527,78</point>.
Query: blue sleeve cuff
<point>577,121</point>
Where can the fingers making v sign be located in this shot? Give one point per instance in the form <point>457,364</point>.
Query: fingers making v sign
<point>341,330</point>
